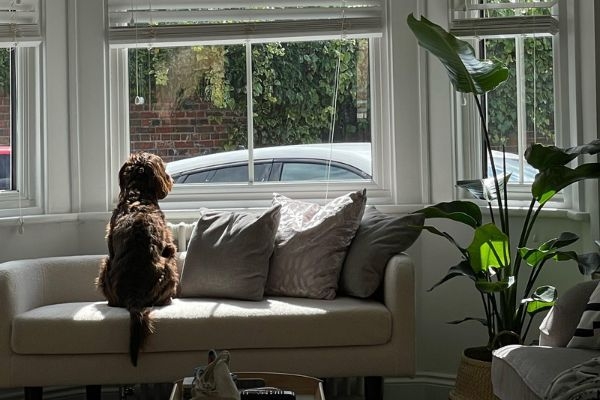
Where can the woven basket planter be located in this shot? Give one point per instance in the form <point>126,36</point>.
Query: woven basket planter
<point>474,378</point>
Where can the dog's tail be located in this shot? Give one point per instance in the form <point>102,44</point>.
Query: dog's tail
<point>140,328</point>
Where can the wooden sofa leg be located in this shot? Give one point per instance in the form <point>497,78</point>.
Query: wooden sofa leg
<point>93,392</point>
<point>373,388</point>
<point>34,392</point>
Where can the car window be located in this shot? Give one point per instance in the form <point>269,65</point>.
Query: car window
<point>4,171</point>
<point>305,171</point>
<point>233,173</point>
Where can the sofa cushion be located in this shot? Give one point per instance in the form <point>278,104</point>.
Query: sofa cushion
<point>587,334</point>
<point>558,326</point>
<point>311,244</point>
<point>379,237</point>
<point>228,254</point>
<point>517,372</point>
<point>194,324</point>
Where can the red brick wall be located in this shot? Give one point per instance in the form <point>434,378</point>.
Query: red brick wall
<point>4,120</point>
<point>174,134</point>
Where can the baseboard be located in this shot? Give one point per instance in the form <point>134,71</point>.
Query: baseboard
<point>61,393</point>
<point>424,386</point>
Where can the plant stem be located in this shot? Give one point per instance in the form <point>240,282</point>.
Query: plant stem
<point>526,329</point>
<point>488,147</point>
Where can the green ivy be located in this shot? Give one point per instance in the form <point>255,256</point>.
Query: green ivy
<point>293,87</point>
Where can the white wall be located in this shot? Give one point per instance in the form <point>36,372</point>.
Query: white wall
<point>79,155</point>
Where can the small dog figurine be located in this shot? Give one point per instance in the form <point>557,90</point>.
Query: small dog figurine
<point>141,269</point>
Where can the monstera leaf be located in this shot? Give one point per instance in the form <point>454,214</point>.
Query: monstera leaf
<point>467,73</point>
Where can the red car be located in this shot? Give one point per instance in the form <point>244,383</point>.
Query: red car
<point>5,167</point>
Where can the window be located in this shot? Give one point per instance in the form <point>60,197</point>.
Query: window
<point>522,110</point>
<point>20,36</point>
<point>7,134</point>
<point>242,79</point>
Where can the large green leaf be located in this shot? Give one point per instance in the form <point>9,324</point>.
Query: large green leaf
<point>461,269</point>
<point>541,299</point>
<point>547,250</point>
<point>467,73</point>
<point>553,179</point>
<point>483,321</point>
<point>489,248</point>
<point>484,189</point>
<point>466,212</point>
<point>542,157</point>
<point>436,231</point>
<point>486,286</point>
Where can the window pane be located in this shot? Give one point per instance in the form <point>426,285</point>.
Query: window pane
<point>194,99</point>
<point>188,100</point>
<point>311,171</point>
<point>521,110</point>
<point>6,135</point>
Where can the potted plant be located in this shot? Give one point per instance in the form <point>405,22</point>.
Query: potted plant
<point>508,291</point>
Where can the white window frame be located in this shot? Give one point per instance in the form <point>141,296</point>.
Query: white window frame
<point>469,135</point>
<point>242,195</point>
<point>27,198</point>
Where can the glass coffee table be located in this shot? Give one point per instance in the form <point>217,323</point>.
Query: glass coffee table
<point>305,387</point>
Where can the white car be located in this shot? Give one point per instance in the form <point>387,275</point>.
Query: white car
<point>512,167</point>
<point>278,163</point>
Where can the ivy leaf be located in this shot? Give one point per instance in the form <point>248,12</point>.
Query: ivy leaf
<point>466,72</point>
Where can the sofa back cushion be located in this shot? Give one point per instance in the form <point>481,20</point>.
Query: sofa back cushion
<point>311,245</point>
<point>559,325</point>
<point>228,254</point>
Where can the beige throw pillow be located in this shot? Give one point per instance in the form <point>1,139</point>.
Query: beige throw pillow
<point>311,244</point>
<point>228,255</point>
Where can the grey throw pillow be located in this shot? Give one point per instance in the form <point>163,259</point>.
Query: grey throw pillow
<point>379,237</point>
<point>228,255</point>
<point>311,244</point>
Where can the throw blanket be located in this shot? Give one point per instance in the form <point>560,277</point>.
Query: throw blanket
<point>582,382</point>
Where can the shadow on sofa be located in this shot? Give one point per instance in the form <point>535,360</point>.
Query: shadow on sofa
<point>526,372</point>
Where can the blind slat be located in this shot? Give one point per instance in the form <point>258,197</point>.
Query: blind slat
<point>166,22</point>
<point>19,22</point>
<point>476,18</point>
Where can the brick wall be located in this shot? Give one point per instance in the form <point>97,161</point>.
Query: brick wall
<point>194,129</point>
<point>4,120</point>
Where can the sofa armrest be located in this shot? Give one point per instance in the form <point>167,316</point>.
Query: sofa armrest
<point>399,298</point>
<point>27,284</point>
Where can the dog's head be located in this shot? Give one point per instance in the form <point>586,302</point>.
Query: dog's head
<point>145,173</point>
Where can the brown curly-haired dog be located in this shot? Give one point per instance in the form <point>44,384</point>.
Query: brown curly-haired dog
<point>141,269</point>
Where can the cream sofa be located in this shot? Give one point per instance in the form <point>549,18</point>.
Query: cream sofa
<point>527,372</point>
<point>56,329</point>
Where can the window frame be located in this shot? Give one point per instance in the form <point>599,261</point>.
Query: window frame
<point>26,198</point>
<point>469,135</point>
<point>259,194</point>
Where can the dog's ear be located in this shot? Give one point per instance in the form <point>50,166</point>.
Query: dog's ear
<point>164,183</point>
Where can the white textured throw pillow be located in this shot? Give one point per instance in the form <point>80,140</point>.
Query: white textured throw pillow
<point>311,245</point>
<point>587,334</point>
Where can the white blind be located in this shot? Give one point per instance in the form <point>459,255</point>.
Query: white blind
<point>19,22</point>
<point>170,22</point>
<point>502,17</point>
